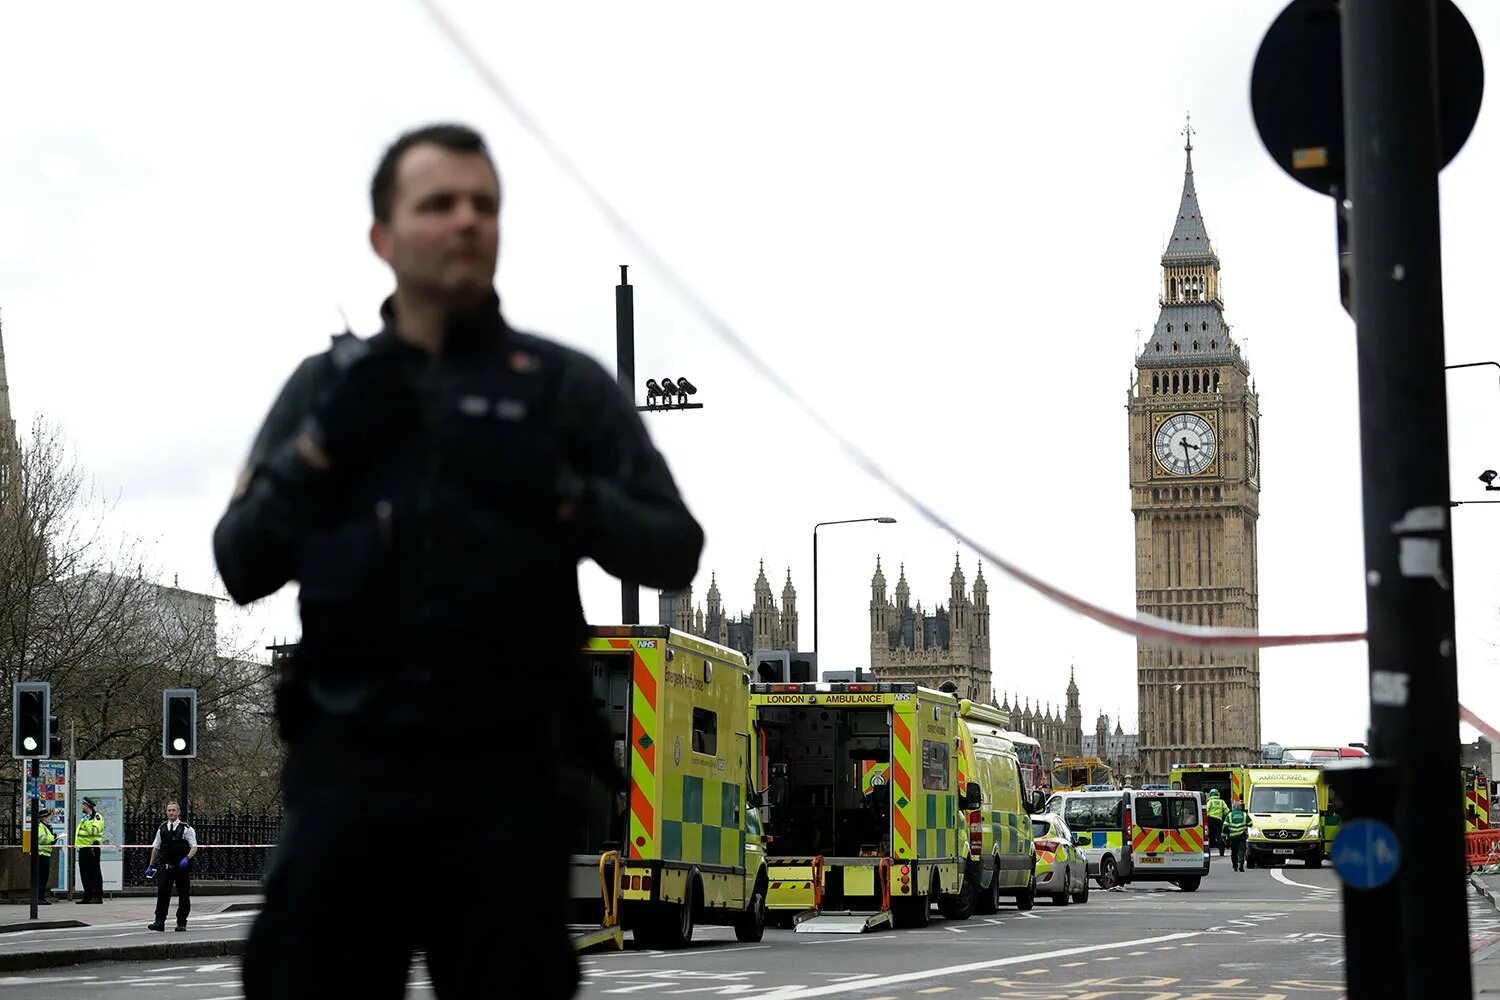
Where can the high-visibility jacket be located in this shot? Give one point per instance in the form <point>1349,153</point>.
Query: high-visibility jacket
<point>1216,808</point>
<point>1237,823</point>
<point>45,838</point>
<point>90,831</point>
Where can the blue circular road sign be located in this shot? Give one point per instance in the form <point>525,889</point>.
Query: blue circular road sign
<point>1366,853</point>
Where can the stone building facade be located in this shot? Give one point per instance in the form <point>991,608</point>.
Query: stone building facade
<point>1195,494</point>
<point>767,626</point>
<point>952,643</point>
<point>1060,734</point>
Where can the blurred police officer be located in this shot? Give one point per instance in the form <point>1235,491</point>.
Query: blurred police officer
<point>432,490</point>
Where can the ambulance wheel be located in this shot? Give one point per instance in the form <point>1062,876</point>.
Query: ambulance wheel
<point>1109,873</point>
<point>1026,898</point>
<point>1188,884</point>
<point>961,905</point>
<point>988,900</point>
<point>750,926</point>
<point>671,926</point>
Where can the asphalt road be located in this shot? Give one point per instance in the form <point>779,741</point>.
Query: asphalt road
<point>1258,935</point>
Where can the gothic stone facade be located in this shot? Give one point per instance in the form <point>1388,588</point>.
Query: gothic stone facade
<point>951,644</point>
<point>1195,492</point>
<point>767,626</point>
<point>1060,735</point>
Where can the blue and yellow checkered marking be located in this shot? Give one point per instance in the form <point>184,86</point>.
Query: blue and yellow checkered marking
<point>701,821</point>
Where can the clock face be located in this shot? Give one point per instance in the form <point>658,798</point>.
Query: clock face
<point>1185,444</point>
<point>1252,447</point>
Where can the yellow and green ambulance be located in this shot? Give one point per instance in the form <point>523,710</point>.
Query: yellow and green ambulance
<point>683,845</point>
<point>1289,816</point>
<point>872,792</point>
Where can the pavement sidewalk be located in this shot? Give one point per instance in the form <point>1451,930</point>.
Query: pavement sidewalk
<point>1484,938</point>
<point>69,933</point>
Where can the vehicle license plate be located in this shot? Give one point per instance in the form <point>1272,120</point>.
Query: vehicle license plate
<point>1150,859</point>
<point>1284,850</point>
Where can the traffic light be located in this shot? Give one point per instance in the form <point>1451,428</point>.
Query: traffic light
<point>31,704</point>
<point>54,739</point>
<point>179,723</point>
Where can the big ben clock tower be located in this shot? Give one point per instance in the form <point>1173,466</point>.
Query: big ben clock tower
<point>1195,494</point>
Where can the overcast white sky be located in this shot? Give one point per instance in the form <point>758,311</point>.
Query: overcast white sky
<point>941,222</point>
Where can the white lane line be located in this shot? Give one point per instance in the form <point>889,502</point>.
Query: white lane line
<point>1278,876</point>
<point>798,992</point>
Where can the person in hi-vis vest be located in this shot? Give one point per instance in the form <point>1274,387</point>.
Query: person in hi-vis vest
<point>87,839</point>
<point>45,838</point>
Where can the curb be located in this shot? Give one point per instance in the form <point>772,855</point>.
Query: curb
<point>219,948</point>
<point>1486,893</point>
<point>40,925</point>
<point>247,905</point>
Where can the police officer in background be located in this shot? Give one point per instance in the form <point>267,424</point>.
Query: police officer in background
<point>45,838</point>
<point>177,845</point>
<point>1237,829</point>
<point>1216,809</point>
<point>432,490</point>
<point>87,838</point>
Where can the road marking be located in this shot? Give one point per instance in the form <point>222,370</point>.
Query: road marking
<point>1278,876</point>
<point>1108,958</point>
<point>798,992</point>
<point>937,989</point>
<point>1070,965</point>
<point>1033,972</point>
<point>955,930</point>
<point>1135,953</point>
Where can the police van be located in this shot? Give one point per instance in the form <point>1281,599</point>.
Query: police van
<point>1138,835</point>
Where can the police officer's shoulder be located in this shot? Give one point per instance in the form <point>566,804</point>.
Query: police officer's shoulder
<point>527,351</point>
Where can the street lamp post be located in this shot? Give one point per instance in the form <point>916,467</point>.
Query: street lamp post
<point>821,524</point>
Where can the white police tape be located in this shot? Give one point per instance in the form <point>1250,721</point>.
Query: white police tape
<point>1158,631</point>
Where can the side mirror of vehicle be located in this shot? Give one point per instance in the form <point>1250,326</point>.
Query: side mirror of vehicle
<point>780,785</point>
<point>1077,840</point>
<point>755,798</point>
<point>971,796</point>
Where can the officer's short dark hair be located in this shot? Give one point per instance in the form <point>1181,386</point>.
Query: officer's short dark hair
<point>458,138</point>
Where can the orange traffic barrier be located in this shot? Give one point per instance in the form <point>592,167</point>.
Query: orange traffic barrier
<point>1481,847</point>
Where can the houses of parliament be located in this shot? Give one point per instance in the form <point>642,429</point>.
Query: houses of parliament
<point>951,642</point>
<point>1193,419</point>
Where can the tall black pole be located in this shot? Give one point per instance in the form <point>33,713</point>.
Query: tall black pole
<point>1391,138</point>
<point>815,589</point>
<point>183,805</point>
<point>630,593</point>
<point>36,822</point>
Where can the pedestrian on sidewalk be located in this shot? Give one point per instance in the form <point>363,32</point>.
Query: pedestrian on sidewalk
<point>413,483</point>
<point>1216,810</point>
<point>45,838</point>
<point>1237,828</point>
<point>177,845</point>
<point>89,836</point>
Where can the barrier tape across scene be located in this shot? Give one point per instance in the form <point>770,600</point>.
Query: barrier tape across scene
<point>1142,626</point>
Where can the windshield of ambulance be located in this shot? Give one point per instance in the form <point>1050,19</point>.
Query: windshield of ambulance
<point>1285,799</point>
<point>1102,813</point>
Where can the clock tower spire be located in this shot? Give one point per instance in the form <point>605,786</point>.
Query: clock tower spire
<point>1195,493</point>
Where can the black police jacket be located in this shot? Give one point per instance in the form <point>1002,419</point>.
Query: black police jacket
<point>440,557</point>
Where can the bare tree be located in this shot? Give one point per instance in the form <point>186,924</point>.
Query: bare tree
<point>78,609</point>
